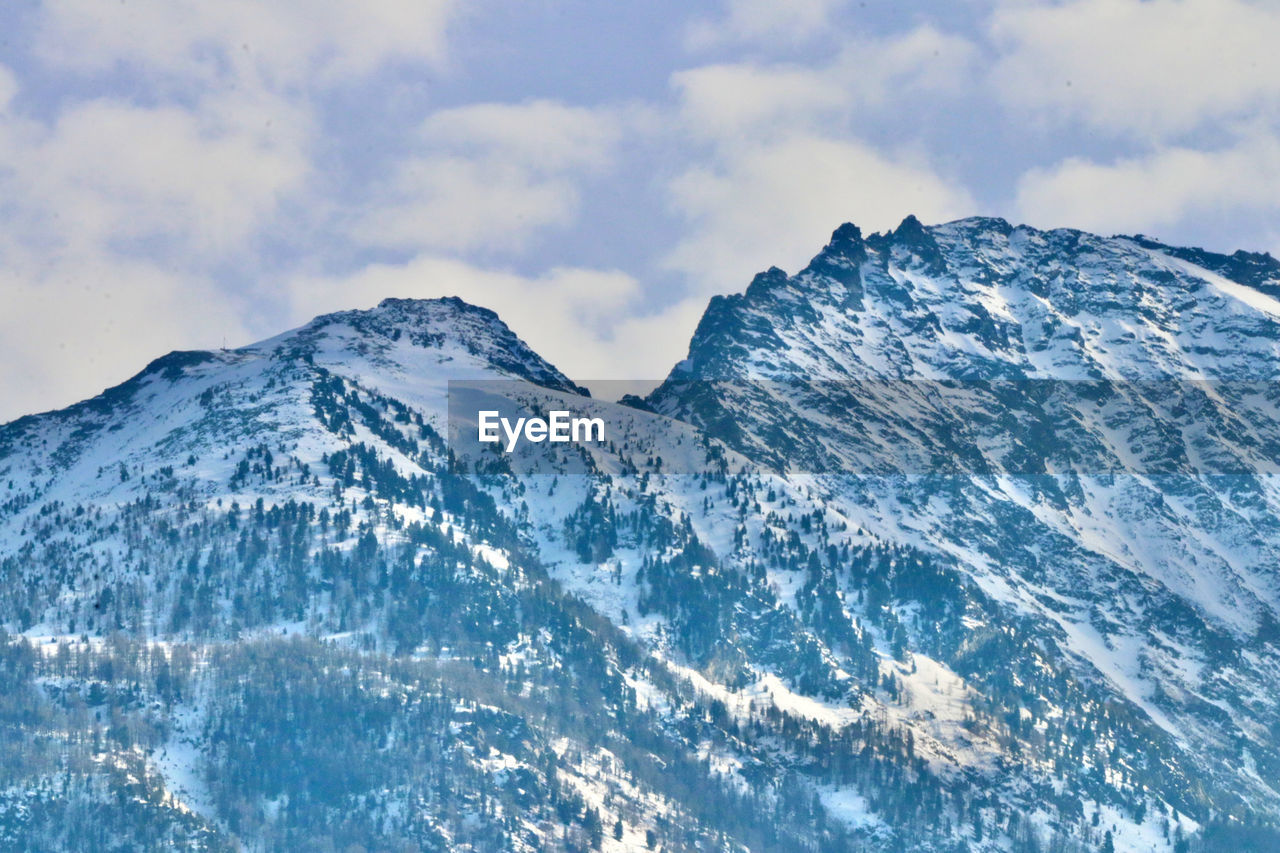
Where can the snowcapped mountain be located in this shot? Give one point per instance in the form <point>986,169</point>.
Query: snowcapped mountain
<point>962,538</point>
<point>1085,427</point>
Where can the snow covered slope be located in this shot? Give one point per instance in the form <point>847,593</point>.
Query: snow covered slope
<point>1086,427</point>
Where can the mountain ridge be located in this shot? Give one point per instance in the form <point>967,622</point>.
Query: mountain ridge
<point>685,636</point>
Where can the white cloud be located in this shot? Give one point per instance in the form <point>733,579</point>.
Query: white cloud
<point>774,203</point>
<point>919,60</point>
<point>489,176</point>
<point>748,20</point>
<point>107,171</point>
<point>722,99</point>
<point>117,209</point>
<point>1149,68</point>
<point>114,215</point>
<point>542,135</point>
<point>76,323</point>
<point>586,322</point>
<point>282,43</point>
<point>725,100</point>
<point>81,309</point>
<point>1165,188</point>
<point>785,164</point>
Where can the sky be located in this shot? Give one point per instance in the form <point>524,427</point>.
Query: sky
<point>180,174</point>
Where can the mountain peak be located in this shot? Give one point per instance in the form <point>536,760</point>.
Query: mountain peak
<point>466,339</point>
<point>977,297</point>
<point>408,311</point>
<point>910,227</point>
<point>767,281</point>
<point>846,243</point>
<point>440,304</point>
<point>447,336</point>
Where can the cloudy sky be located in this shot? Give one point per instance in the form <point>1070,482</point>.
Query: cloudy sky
<point>179,173</point>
